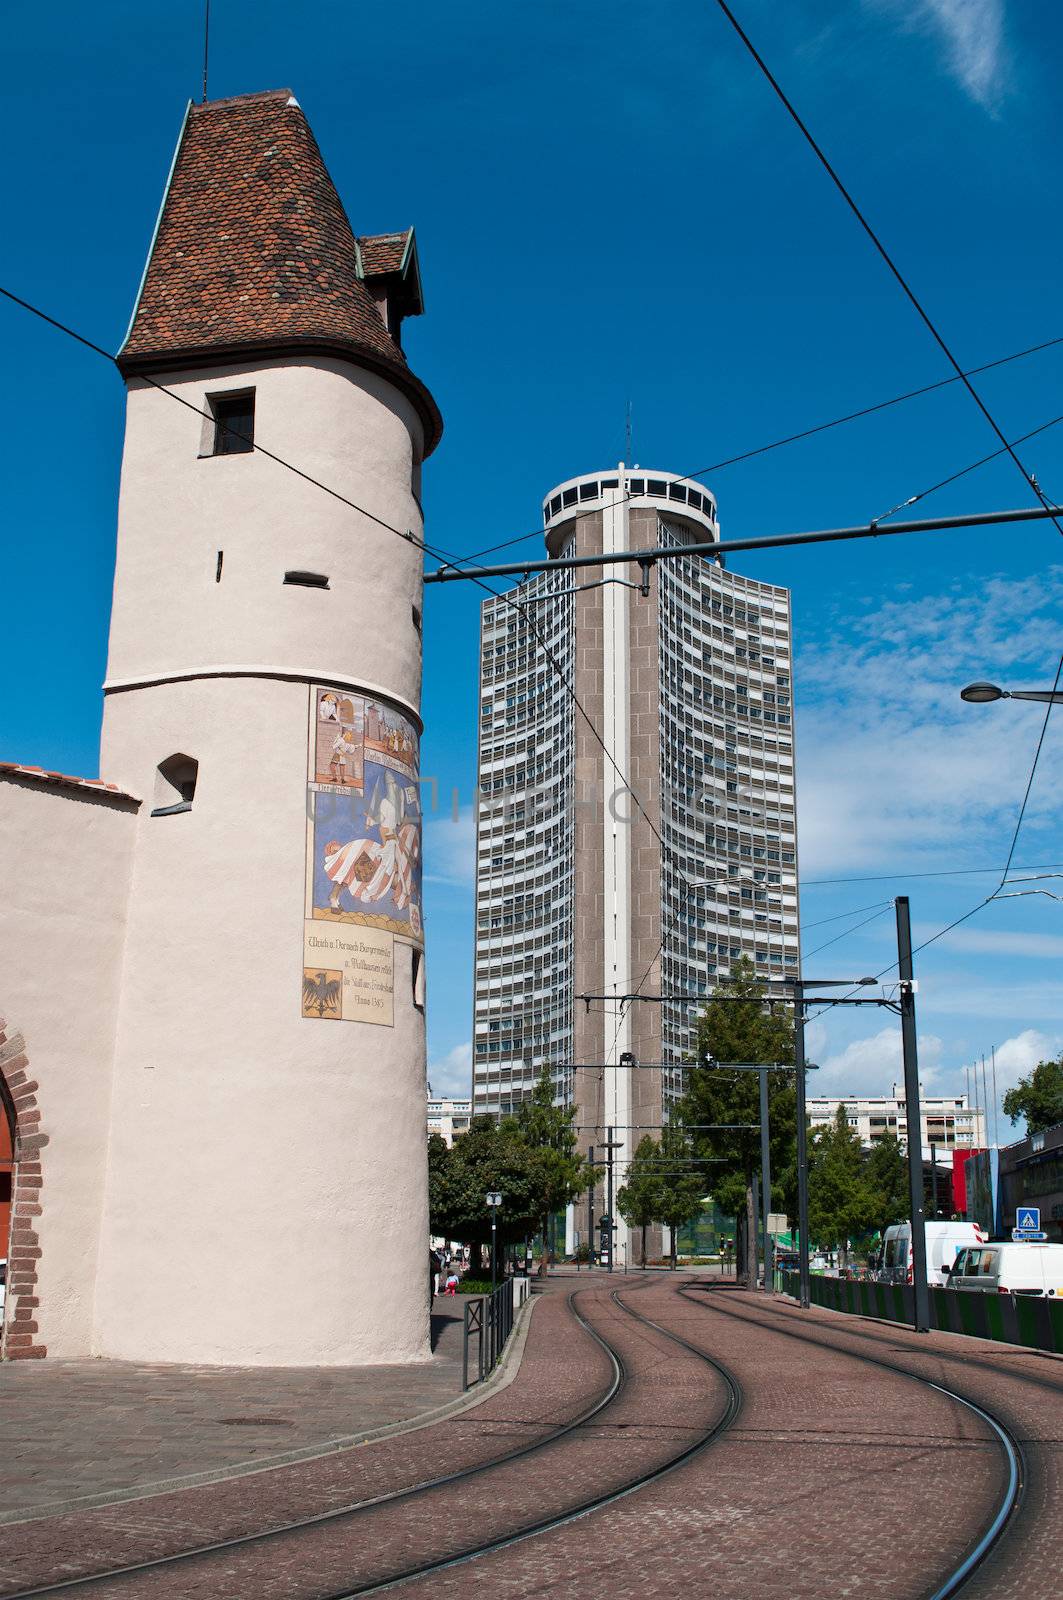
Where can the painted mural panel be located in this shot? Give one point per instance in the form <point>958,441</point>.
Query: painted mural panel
<point>363,856</point>
<point>348,974</point>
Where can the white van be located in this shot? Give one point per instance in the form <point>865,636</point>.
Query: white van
<point>944,1241</point>
<point>1010,1268</point>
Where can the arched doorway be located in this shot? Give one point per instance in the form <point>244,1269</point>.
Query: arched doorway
<point>21,1142</point>
<point>7,1178</point>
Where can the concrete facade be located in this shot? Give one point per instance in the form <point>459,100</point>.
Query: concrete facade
<point>653,862</point>
<point>948,1121</point>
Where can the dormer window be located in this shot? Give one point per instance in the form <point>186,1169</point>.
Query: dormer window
<point>234,423</point>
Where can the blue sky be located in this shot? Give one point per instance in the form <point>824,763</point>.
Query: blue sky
<point>611,206</point>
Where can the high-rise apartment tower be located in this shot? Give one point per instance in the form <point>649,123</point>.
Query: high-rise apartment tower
<point>637,823</point>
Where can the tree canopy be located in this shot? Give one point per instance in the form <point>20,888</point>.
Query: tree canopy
<point>1038,1097</point>
<point>663,1185</point>
<point>746,1028</point>
<point>842,1201</point>
<point>489,1156</point>
<point>558,1172</point>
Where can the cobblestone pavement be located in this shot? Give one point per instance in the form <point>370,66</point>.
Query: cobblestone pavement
<point>1023,1388</point>
<point>837,1477</point>
<point>90,1428</point>
<point>544,1395</point>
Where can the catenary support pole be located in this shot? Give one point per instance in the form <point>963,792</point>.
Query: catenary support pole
<point>765,1182</point>
<point>802,1144</point>
<point>913,1117</point>
<point>609,1201</point>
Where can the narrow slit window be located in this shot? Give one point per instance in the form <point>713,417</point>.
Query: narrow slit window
<point>234,423</point>
<point>307,580</point>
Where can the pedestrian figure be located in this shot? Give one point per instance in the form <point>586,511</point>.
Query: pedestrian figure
<point>452,1283</point>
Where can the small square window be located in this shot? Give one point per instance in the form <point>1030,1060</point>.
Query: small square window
<point>234,423</point>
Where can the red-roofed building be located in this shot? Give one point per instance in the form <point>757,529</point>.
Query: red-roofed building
<point>228,920</point>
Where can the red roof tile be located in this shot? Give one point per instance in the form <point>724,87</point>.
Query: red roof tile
<point>18,769</point>
<point>254,253</point>
<point>383,252</point>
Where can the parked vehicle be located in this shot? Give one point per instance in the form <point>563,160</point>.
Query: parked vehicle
<point>1010,1268</point>
<point>944,1240</point>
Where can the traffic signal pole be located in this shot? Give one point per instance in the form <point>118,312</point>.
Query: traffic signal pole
<point>804,1291</point>
<point>765,1182</point>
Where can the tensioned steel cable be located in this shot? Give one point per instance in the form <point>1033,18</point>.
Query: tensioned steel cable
<point>407,536</point>
<point>808,433</point>
<point>892,266</point>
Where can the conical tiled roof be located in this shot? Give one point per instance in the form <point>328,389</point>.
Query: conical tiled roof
<point>253,253</point>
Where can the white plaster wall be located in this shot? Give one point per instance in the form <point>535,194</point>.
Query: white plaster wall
<point>267,1189</point>
<point>267,1184</point>
<point>65,862</point>
<point>350,429</point>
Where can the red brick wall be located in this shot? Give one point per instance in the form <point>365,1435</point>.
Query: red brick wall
<point>18,1092</point>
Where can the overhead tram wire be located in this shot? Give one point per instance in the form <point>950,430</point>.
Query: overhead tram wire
<point>808,433</point>
<point>407,536</point>
<point>967,915</point>
<point>449,560</point>
<point>954,477</point>
<point>901,280</point>
<point>948,872</point>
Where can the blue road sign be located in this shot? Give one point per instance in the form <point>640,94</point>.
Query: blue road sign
<point>1028,1217</point>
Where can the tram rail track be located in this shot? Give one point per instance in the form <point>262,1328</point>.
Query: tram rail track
<point>1015,1467</point>
<point>121,1575</point>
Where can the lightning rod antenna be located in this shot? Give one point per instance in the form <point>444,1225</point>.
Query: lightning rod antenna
<point>206,45</point>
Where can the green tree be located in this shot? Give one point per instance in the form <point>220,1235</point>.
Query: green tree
<point>489,1156</point>
<point>680,1187</point>
<point>841,1201</point>
<point>886,1171</point>
<point>1038,1097</point>
<point>559,1172</point>
<point>636,1200</point>
<point>746,1028</point>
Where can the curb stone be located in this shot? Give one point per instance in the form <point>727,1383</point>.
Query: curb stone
<point>503,1375</point>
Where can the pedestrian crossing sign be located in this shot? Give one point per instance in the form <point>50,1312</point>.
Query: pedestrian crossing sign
<point>1028,1217</point>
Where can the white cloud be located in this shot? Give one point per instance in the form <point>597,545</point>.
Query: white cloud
<point>872,1065</point>
<point>894,770</point>
<point>1031,946</point>
<point>1016,1057</point>
<point>450,847</point>
<point>452,1074</point>
<point>972,33</point>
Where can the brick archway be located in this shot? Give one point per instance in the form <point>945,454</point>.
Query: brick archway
<point>18,1103</point>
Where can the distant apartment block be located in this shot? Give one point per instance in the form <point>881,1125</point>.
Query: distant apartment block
<point>448,1118</point>
<point>947,1121</point>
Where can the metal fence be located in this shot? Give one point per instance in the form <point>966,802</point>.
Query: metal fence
<point>1010,1318</point>
<point>487,1324</point>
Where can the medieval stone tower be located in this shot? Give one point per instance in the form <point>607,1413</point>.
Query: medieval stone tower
<point>264,1198</point>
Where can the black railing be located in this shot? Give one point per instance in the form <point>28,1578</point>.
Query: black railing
<point>489,1321</point>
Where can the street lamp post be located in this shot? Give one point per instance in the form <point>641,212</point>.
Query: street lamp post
<point>982,693</point>
<point>493,1200</point>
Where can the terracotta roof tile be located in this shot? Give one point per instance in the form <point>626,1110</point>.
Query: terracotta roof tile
<point>19,769</point>
<point>254,252</point>
<point>383,252</point>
